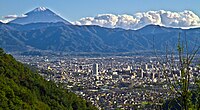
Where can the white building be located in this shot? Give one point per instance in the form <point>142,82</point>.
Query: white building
<point>95,70</point>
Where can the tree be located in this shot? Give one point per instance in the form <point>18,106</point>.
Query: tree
<point>181,87</point>
<point>1,52</point>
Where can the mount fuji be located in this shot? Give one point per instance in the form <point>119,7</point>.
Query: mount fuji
<point>40,15</point>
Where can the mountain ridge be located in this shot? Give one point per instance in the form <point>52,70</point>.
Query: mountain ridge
<point>58,37</point>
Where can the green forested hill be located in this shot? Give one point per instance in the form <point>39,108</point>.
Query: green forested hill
<point>20,88</point>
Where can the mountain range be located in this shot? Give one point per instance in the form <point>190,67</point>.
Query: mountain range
<point>43,30</point>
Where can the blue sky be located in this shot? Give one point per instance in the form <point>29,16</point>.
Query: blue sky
<point>76,9</point>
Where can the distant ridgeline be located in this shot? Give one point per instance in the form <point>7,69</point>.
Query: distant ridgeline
<point>43,30</point>
<point>21,89</point>
<point>60,37</point>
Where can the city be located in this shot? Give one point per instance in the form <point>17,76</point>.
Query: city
<point>99,55</point>
<point>113,82</point>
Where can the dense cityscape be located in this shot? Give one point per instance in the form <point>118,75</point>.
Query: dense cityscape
<point>113,82</point>
<point>99,55</point>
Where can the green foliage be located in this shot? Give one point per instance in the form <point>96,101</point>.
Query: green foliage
<point>1,52</point>
<point>184,91</point>
<point>20,88</point>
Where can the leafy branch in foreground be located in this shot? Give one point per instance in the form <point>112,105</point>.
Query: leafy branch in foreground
<point>181,88</point>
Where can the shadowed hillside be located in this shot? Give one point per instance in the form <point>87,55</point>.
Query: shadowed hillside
<point>20,88</point>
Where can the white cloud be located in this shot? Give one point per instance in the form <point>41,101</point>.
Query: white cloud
<point>165,18</point>
<point>6,21</point>
<point>14,16</point>
<point>9,18</point>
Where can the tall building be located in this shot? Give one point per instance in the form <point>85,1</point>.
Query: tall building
<point>159,76</point>
<point>144,66</point>
<point>142,73</point>
<point>95,69</point>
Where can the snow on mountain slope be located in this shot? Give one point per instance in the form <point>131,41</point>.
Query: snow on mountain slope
<point>40,14</point>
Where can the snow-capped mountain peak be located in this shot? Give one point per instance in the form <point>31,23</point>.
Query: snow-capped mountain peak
<point>40,15</point>
<point>40,9</point>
